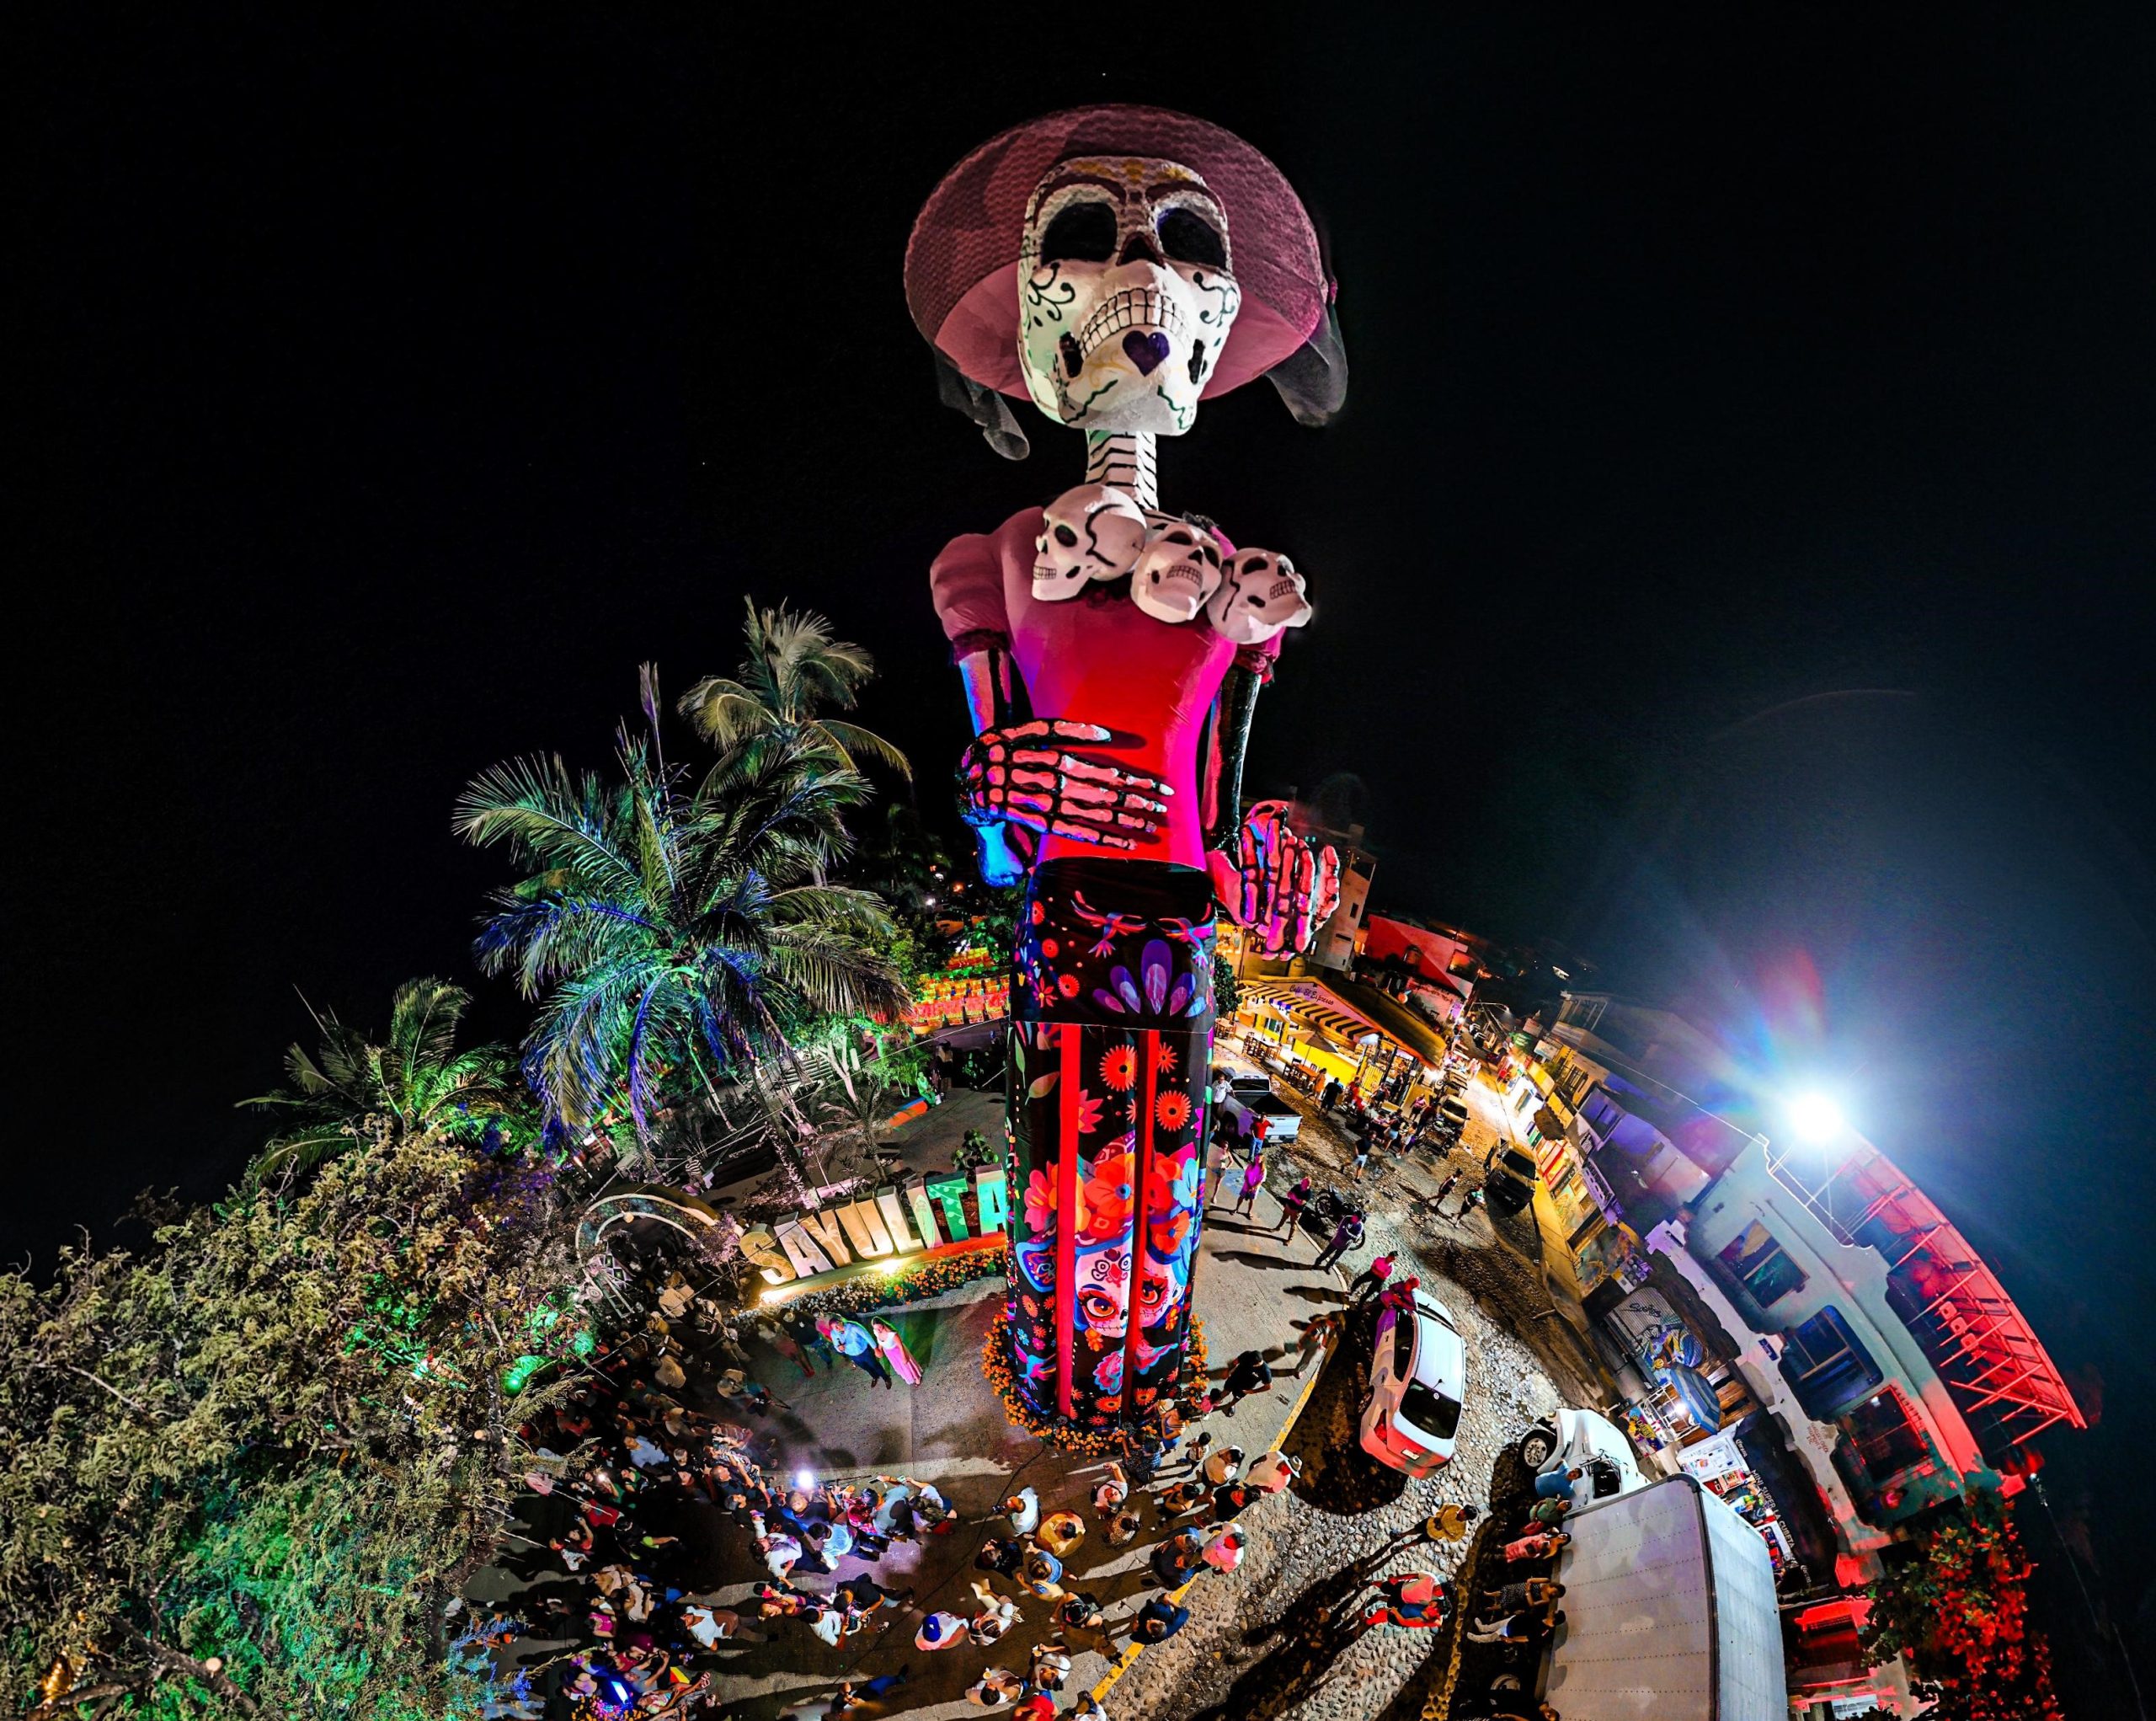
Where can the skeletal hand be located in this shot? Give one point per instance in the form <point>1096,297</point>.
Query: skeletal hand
<point>1285,890</point>
<point>1022,774</point>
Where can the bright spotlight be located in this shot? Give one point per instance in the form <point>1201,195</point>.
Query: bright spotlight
<point>804,1479</point>
<point>1816,1117</point>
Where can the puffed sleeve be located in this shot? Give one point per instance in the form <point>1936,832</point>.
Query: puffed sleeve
<point>967,583</point>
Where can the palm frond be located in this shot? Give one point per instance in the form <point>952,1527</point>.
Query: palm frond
<point>855,743</point>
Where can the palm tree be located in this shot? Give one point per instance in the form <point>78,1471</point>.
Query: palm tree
<point>793,670</point>
<point>417,1081</point>
<point>674,933</point>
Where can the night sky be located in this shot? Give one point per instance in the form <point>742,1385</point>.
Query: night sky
<point>1733,565</point>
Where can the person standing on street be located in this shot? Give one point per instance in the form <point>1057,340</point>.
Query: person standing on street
<point>1368,1283</point>
<point>857,1344</point>
<point>1346,1236</point>
<point>1253,1181</point>
<point>1444,1188</point>
<point>1557,1484</point>
<point>1249,1373</point>
<point>789,1347</point>
<point>1318,1332</point>
<point>1448,1523</point>
<point>1291,1207</point>
<point>1331,1097</point>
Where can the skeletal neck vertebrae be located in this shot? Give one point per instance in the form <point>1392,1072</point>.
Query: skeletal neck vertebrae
<point>1125,458</point>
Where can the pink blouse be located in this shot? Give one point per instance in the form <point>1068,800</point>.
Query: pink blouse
<point>1094,658</point>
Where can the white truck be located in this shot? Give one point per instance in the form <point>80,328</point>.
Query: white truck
<point>1669,1612</point>
<point>1257,1113</point>
<point>1588,1442</point>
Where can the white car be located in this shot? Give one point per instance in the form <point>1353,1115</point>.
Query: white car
<point>1418,1377</point>
<point>1583,1440</point>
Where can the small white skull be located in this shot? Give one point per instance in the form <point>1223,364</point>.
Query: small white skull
<point>1261,593</point>
<point>1092,533</point>
<point>1176,572</point>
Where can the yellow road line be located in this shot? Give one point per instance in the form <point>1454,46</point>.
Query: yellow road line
<point>1132,1650</point>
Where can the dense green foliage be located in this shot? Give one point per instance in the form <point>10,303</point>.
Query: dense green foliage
<point>674,929</point>
<point>245,1470</point>
<point>419,1080</point>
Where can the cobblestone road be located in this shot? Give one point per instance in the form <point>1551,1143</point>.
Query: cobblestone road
<point>1283,1638</point>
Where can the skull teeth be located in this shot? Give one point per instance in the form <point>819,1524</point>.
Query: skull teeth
<point>1133,307</point>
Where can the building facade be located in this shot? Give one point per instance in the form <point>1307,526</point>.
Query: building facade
<point>1807,1332</point>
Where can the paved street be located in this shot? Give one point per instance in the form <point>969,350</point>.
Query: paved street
<point>1285,1647</point>
<point>951,1430</point>
<point>1279,1638</point>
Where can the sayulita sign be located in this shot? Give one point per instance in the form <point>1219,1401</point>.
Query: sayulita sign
<point>894,1221</point>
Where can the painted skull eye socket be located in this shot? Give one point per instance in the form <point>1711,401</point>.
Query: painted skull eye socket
<point>1186,237</point>
<point>1081,233</point>
<point>1099,1306</point>
<point>1065,537</point>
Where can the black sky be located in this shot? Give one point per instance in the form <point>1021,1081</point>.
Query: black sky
<point>396,382</point>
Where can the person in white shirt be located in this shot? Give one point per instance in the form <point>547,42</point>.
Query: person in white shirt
<point>1025,1510</point>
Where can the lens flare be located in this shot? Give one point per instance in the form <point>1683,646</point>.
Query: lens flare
<point>1816,1117</point>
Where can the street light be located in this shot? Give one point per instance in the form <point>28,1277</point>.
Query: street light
<point>1817,1118</point>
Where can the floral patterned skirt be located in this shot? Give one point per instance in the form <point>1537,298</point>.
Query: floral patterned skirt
<point>1111,1037</point>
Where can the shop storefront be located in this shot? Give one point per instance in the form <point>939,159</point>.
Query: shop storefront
<point>1723,1467</point>
<point>1304,1032</point>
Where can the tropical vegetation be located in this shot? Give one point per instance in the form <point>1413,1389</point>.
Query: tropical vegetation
<point>248,1468</point>
<point>1955,1602</point>
<point>675,929</point>
<point>793,670</point>
<point>418,1079</point>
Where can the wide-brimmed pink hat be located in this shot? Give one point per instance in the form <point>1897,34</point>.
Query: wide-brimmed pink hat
<point>961,261</point>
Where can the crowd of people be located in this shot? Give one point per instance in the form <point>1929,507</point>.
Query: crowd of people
<point>633,1450</point>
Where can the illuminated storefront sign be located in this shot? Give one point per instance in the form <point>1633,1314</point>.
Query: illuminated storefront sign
<point>895,1220</point>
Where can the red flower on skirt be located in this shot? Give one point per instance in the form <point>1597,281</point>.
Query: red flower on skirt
<point>1119,1067</point>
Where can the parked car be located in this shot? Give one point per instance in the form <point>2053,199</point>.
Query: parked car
<point>1454,1109</point>
<point>1510,1185</point>
<point>1258,1113</point>
<point>1584,1440</point>
<point>1418,1377</point>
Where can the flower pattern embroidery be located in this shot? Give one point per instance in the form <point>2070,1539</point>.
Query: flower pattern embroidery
<point>1121,999</point>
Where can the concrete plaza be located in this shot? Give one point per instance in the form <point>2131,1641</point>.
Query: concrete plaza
<point>1250,1285</point>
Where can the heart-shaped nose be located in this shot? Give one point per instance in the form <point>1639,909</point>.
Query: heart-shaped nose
<point>1147,348</point>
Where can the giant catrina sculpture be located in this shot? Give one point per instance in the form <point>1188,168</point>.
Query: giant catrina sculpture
<point>1115,265</point>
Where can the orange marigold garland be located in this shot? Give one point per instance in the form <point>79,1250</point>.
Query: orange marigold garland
<point>996,1365</point>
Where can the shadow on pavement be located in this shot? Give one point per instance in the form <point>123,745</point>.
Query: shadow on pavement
<point>1318,1624</point>
<point>1338,1476</point>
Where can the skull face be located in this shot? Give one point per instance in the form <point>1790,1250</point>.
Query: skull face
<point>1125,296</point>
<point>1175,573</point>
<point>1092,533</point>
<point>1261,593</point>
